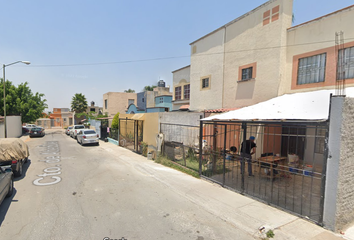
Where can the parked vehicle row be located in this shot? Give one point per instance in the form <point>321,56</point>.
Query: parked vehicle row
<point>13,154</point>
<point>83,135</point>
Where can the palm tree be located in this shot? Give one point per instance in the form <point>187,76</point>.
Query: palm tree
<point>79,103</point>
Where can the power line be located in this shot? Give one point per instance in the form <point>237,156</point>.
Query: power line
<point>176,57</point>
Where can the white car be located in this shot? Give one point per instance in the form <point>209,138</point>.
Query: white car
<point>75,130</point>
<point>87,136</point>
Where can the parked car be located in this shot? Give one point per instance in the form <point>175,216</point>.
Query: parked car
<point>6,183</point>
<point>14,153</point>
<point>27,128</point>
<point>75,130</point>
<point>88,136</point>
<point>68,130</point>
<point>37,132</point>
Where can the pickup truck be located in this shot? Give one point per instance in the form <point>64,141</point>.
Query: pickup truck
<point>13,152</point>
<point>74,131</point>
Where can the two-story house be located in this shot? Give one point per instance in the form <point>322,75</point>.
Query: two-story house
<point>114,102</point>
<point>181,88</point>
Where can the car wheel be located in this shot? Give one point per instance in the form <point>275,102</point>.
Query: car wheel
<point>11,188</point>
<point>81,143</point>
<point>19,172</point>
<point>26,159</point>
<point>97,144</point>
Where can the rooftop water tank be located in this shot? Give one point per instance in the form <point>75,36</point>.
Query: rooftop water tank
<point>161,83</point>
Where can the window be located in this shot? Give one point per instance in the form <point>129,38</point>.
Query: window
<point>105,104</point>
<point>142,100</point>
<point>311,69</point>
<point>205,83</point>
<point>320,140</point>
<point>247,73</point>
<point>130,101</point>
<point>58,120</point>
<point>92,110</point>
<point>178,93</point>
<point>345,63</point>
<point>186,91</point>
<point>160,100</point>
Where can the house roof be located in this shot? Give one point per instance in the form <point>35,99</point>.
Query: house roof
<point>308,106</point>
<point>220,110</point>
<point>233,21</point>
<point>181,68</point>
<point>184,107</point>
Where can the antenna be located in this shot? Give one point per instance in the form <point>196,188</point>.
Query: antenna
<point>340,76</point>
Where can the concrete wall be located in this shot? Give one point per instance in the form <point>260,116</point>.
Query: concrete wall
<point>312,38</point>
<point>14,127</point>
<point>117,102</point>
<point>187,135</point>
<point>141,101</point>
<point>339,197</point>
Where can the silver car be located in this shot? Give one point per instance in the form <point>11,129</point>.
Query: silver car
<point>87,136</point>
<point>6,183</point>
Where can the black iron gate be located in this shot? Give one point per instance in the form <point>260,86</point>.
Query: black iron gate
<point>287,170</point>
<point>131,134</point>
<point>103,129</point>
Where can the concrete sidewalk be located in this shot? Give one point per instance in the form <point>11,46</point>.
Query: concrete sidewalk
<point>240,211</point>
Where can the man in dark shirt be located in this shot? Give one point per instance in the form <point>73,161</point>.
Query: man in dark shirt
<point>248,148</point>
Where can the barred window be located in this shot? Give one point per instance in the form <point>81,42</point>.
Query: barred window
<point>312,69</point>
<point>186,91</point>
<point>247,73</point>
<point>178,93</point>
<point>205,82</point>
<point>345,63</point>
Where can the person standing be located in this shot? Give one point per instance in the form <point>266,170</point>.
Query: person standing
<point>248,148</point>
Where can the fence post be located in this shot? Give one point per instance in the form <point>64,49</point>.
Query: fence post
<point>243,162</point>
<point>224,155</point>
<point>200,147</point>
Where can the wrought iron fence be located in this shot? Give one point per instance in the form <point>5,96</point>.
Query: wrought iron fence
<point>287,170</point>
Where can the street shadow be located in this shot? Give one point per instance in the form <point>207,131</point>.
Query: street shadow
<point>5,205</point>
<point>25,167</point>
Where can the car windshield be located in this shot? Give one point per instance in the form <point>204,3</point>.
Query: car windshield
<point>90,132</point>
<point>70,127</point>
<point>79,127</point>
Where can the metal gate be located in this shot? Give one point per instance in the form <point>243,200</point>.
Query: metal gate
<point>103,129</point>
<point>287,170</point>
<point>131,134</point>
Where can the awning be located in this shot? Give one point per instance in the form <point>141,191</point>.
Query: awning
<point>184,107</point>
<point>308,106</point>
<point>139,116</point>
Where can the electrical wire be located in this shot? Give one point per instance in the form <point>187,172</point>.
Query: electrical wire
<point>176,57</point>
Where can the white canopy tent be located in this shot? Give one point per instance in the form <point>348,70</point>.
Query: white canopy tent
<point>309,106</point>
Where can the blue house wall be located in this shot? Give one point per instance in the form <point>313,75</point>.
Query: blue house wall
<point>141,101</point>
<point>163,102</point>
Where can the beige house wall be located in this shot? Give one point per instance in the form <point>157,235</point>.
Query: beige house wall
<point>117,102</point>
<point>207,56</point>
<point>151,129</point>
<point>253,39</point>
<point>316,37</point>
<point>181,77</point>
<point>250,43</point>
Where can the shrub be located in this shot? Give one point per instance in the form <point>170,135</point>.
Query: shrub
<point>115,121</point>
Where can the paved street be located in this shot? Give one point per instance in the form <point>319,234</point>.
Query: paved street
<point>96,194</point>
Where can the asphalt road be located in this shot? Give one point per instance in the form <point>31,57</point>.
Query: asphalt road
<point>105,192</point>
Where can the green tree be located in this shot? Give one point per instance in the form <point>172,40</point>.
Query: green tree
<point>149,88</point>
<point>21,101</point>
<point>79,103</point>
<point>129,91</point>
<point>115,121</point>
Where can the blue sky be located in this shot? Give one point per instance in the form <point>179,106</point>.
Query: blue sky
<point>74,33</point>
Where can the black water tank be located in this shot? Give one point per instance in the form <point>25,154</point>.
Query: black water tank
<point>161,83</point>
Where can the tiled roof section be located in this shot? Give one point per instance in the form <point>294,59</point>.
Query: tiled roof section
<point>220,110</point>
